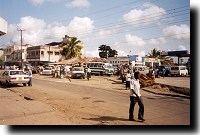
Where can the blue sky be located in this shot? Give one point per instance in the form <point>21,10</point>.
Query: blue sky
<point>128,26</point>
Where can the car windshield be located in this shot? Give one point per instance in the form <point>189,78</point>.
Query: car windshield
<point>47,68</point>
<point>17,73</point>
<point>78,69</point>
<point>174,68</point>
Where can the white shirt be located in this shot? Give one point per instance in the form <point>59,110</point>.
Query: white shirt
<point>135,86</point>
<point>128,77</point>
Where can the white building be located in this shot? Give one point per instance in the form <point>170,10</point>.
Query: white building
<point>3,26</point>
<point>117,61</point>
<point>43,54</point>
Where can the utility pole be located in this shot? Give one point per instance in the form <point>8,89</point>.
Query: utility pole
<point>21,30</point>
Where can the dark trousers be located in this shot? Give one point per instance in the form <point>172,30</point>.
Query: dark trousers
<point>127,84</point>
<point>30,81</point>
<point>133,101</point>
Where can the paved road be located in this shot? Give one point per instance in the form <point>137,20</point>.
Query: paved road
<point>175,81</point>
<point>62,102</point>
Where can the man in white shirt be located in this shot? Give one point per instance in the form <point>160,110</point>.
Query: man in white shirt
<point>135,96</point>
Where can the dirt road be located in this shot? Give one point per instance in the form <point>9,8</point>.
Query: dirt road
<point>99,101</point>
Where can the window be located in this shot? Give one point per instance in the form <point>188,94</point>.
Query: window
<point>42,52</point>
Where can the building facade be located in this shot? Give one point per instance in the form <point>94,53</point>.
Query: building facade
<point>3,26</point>
<point>43,54</point>
<point>117,61</point>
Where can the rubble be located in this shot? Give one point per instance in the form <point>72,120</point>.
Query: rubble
<point>146,81</point>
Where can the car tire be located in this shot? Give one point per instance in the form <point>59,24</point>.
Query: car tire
<point>24,84</point>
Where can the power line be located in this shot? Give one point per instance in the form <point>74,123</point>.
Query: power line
<point>162,37</point>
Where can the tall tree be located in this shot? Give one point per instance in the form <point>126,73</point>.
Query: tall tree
<point>72,48</point>
<point>112,53</point>
<point>104,51</point>
<point>153,53</point>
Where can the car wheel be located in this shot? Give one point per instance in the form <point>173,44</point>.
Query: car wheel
<point>24,84</point>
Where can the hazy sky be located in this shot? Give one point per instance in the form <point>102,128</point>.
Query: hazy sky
<point>128,26</point>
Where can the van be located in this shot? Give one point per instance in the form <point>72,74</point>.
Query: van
<point>178,71</point>
<point>100,68</point>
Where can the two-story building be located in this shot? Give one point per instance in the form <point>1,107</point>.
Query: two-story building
<point>117,61</point>
<point>3,26</point>
<point>43,54</point>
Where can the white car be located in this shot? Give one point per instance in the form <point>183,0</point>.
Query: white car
<point>47,71</point>
<point>78,72</point>
<point>13,77</point>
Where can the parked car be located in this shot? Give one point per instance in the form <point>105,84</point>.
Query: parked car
<point>78,72</point>
<point>179,71</point>
<point>142,69</point>
<point>13,77</point>
<point>167,70</point>
<point>47,71</point>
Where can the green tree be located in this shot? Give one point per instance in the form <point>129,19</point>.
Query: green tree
<point>112,53</point>
<point>155,54</point>
<point>106,51</point>
<point>72,49</point>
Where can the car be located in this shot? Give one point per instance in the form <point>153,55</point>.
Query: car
<point>14,77</point>
<point>167,70</point>
<point>179,71</point>
<point>47,71</point>
<point>78,72</point>
<point>142,69</point>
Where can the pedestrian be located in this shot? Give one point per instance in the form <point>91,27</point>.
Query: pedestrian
<point>88,73</point>
<point>156,70</point>
<point>163,72</point>
<point>135,96</point>
<point>30,77</point>
<point>128,79</point>
<point>67,76</point>
<point>150,71</point>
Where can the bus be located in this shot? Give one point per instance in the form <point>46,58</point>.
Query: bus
<point>100,68</point>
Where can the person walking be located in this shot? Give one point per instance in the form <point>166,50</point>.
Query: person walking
<point>156,70</point>
<point>128,79</point>
<point>163,72</point>
<point>88,73</point>
<point>135,96</point>
<point>30,77</point>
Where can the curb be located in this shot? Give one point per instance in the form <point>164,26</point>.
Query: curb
<point>166,94</point>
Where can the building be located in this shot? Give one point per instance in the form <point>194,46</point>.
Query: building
<point>8,52</point>
<point>20,54</point>
<point>136,60</point>
<point>117,61</point>
<point>152,62</point>
<point>67,39</point>
<point>3,26</point>
<point>43,54</point>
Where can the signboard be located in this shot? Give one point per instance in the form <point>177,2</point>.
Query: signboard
<point>163,53</point>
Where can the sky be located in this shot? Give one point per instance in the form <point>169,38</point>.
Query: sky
<point>132,27</point>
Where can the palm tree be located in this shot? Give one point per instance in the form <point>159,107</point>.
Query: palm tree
<point>72,49</point>
<point>153,54</point>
